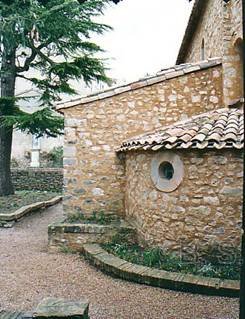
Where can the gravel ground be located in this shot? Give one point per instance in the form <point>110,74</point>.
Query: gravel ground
<point>29,273</point>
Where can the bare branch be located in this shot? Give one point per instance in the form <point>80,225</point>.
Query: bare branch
<point>23,77</point>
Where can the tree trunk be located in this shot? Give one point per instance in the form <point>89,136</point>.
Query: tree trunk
<point>6,133</point>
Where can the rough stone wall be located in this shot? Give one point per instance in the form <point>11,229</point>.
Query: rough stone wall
<point>38,179</point>
<point>75,236</point>
<point>236,18</point>
<point>210,29</point>
<point>232,51</point>
<point>94,176</point>
<point>203,212</point>
<point>220,27</point>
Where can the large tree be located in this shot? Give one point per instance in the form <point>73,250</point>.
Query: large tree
<point>51,37</point>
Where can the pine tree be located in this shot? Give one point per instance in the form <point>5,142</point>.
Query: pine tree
<point>53,38</point>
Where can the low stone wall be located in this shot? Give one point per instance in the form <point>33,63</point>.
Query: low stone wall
<point>74,236</point>
<point>8,220</point>
<point>120,268</point>
<point>42,179</point>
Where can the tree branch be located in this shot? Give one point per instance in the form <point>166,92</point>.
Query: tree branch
<point>34,52</point>
<point>23,77</point>
<point>45,57</point>
<point>27,63</point>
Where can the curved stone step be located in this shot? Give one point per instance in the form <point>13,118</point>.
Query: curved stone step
<point>117,267</point>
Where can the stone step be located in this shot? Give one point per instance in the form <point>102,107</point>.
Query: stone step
<point>63,309</point>
<point>53,308</point>
<point>14,315</point>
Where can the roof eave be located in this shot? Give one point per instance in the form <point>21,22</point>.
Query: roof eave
<point>161,76</point>
<point>219,133</point>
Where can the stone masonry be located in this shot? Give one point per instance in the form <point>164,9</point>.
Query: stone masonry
<point>209,29</point>
<point>220,30</point>
<point>94,177</point>
<point>41,179</point>
<point>232,52</point>
<point>204,210</point>
<point>217,19</point>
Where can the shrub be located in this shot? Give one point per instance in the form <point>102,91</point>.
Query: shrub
<point>54,158</point>
<point>210,266</point>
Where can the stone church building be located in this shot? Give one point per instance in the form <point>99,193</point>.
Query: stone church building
<point>165,152</point>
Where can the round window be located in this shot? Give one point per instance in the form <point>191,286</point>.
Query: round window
<point>167,171</point>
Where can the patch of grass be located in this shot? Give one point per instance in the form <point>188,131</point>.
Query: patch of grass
<point>127,249</point>
<point>96,218</point>
<point>11,203</point>
<point>67,250</point>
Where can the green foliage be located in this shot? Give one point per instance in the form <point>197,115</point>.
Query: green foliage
<point>52,37</point>
<point>55,157</point>
<point>6,105</point>
<point>125,247</point>
<point>96,218</point>
<point>39,123</point>
<point>67,250</point>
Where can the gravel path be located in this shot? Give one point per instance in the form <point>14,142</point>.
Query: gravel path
<point>29,273</point>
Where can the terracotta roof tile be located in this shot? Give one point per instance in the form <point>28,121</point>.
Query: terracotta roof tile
<point>222,128</point>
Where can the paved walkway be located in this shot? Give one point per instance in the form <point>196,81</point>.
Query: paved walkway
<point>28,273</point>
